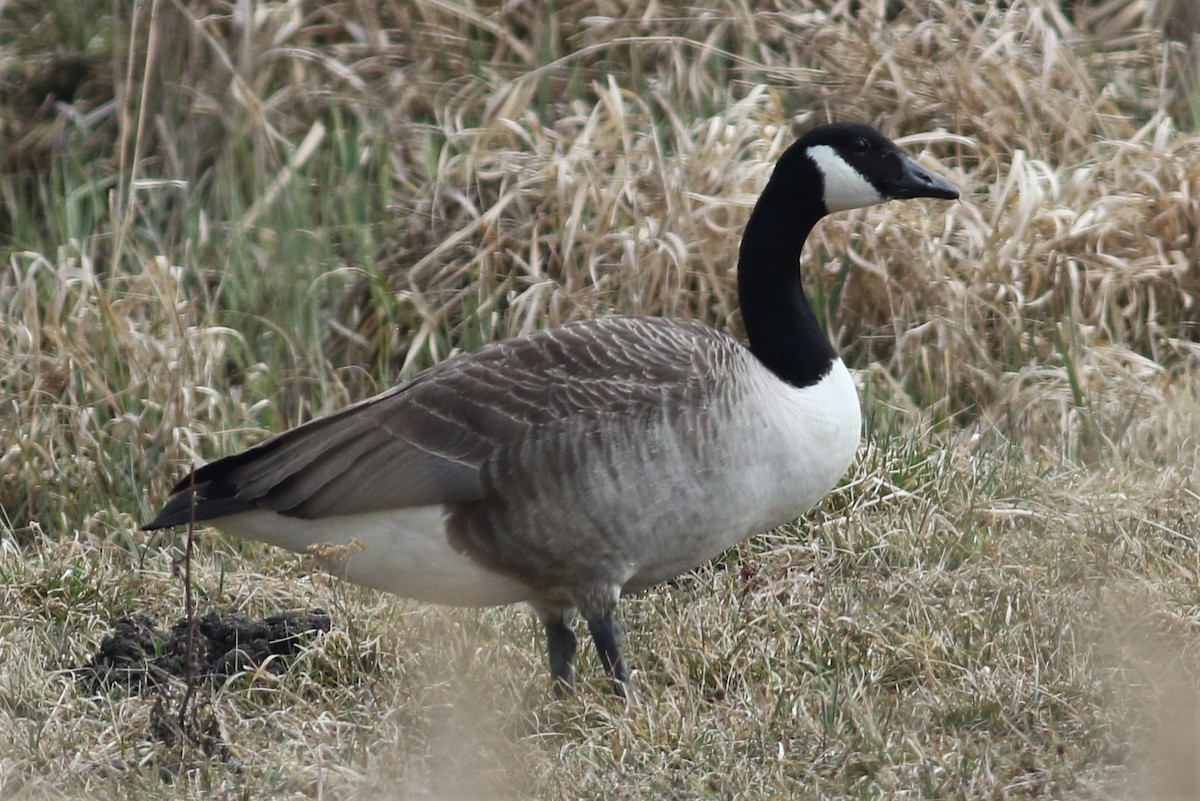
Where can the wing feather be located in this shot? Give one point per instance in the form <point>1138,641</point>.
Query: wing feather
<point>432,439</point>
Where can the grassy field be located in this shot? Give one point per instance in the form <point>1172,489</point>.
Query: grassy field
<point>219,219</point>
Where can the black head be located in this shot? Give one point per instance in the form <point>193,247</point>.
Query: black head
<point>861,167</point>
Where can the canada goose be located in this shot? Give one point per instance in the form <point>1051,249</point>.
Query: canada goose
<point>576,464</point>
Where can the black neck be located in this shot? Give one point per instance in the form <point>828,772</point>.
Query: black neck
<point>783,331</point>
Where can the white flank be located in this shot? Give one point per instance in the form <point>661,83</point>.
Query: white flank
<point>403,551</point>
<point>845,187</point>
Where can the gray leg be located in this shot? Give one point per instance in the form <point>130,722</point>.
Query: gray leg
<point>561,643</point>
<point>607,637</point>
<point>561,646</point>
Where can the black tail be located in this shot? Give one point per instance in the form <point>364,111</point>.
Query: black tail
<point>212,499</point>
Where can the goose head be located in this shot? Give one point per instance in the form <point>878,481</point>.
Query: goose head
<point>830,168</point>
<point>861,167</point>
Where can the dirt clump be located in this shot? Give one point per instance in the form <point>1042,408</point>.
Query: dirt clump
<point>137,654</point>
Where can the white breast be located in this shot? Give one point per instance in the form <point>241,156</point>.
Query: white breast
<point>780,450</point>
<point>805,441</point>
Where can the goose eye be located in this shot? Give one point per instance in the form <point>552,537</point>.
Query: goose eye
<point>860,145</point>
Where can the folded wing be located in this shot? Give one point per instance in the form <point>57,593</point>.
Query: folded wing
<point>431,440</point>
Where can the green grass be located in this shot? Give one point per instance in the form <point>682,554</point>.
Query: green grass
<point>999,601</point>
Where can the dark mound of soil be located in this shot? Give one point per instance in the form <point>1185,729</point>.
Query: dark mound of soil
<point>138,654</point>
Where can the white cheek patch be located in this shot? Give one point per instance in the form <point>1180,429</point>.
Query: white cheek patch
<point>845,187</point>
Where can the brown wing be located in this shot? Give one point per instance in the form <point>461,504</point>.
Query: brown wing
<point>431,439</point>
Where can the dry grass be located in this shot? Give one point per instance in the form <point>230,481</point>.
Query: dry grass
<point>219,219</point>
